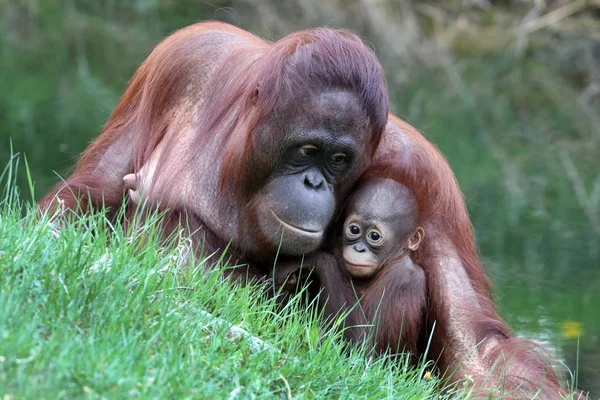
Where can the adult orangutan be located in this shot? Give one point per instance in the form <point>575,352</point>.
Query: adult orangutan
<point>252,142</point>
<point>257,144</point>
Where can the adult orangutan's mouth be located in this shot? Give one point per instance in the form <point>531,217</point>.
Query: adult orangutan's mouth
<point>297,229</point>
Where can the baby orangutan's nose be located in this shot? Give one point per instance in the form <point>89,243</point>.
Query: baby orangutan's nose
<point>360,247</point>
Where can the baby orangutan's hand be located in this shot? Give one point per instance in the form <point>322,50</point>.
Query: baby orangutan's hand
<point>287,273</point>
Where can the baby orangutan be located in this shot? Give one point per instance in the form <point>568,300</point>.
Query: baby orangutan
<point>370,273</point>
<point>380,225</point>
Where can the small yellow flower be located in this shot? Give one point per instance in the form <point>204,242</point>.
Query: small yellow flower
<point>571,329</point>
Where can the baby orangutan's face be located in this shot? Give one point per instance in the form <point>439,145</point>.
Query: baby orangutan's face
<point>380,225</point>
<point>366,245</point>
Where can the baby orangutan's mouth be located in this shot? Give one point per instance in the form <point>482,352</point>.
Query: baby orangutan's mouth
<point>352,265</point>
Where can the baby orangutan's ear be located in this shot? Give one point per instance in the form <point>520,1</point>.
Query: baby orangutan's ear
<point>415,240</point>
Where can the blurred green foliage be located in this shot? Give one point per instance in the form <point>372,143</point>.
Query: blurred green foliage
<point>64,65</point>
<point>519,121</point>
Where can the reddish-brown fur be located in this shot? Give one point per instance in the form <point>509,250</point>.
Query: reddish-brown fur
<point>201,95</point>
<point>178,111</point>
<point>469,338</point>
<point>386,310</point>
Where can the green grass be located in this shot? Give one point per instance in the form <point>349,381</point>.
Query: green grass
<point>87,311</point>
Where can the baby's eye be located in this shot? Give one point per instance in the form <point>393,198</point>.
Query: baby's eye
<point>353,232</point>
<point>375,236</point>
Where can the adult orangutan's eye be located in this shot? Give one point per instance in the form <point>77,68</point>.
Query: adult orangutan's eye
<point>374,237</point>
<point>308,150</point>
<point>338,158</point>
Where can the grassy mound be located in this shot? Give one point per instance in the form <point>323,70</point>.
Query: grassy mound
<point>89,311</point>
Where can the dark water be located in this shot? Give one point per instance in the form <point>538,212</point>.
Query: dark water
<point>554,299</point>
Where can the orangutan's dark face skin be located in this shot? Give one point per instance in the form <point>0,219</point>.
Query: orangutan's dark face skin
<point>317,159</point>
